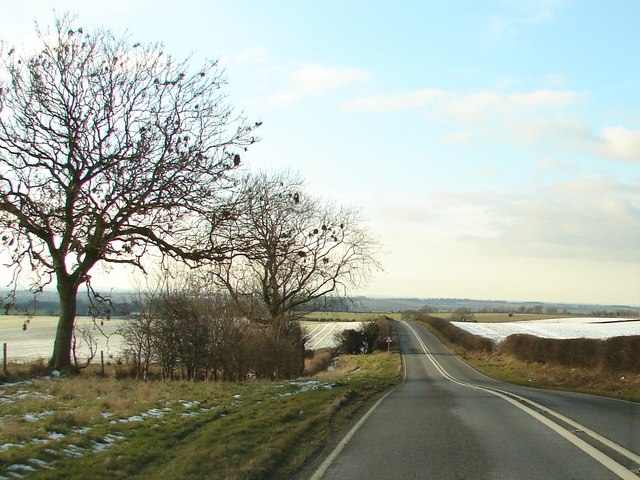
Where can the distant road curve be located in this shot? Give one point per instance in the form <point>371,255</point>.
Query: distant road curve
<point>447,421</point>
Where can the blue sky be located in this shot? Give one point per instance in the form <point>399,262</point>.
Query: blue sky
<point>493,146</point>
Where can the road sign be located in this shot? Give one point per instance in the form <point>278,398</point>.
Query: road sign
<point>388,340</point>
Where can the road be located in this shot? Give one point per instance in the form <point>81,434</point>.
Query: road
<point>447,421</point>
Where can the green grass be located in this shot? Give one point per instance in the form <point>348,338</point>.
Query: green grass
<point>250,430</point>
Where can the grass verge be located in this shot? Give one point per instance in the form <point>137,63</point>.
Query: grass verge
<point>624,386</point>
<point>102,428</point>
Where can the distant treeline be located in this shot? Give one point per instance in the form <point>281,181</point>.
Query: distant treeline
<point>435,305</point>
<point>47,303</point>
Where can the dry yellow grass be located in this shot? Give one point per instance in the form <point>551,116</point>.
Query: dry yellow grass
<point>504,367</point>
<point>246,430</point>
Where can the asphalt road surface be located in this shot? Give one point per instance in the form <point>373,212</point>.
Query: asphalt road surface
<point>447,421</point>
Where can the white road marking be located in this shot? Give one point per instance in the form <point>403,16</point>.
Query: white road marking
<point>596,454</point>
<point>343,443</point>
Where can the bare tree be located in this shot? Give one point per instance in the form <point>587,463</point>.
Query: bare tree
<point>88,340</point>
<point>137,330</point>
<point>288,248</point>
<point>109,149</point>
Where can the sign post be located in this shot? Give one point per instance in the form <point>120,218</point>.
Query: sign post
<point>388,340</point>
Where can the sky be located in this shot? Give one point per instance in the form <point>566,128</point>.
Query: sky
<point>493,147</point>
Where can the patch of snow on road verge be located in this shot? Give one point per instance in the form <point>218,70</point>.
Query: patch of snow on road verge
<point>305,386</point>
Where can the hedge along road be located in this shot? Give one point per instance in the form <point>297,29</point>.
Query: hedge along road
<point>447,421</point>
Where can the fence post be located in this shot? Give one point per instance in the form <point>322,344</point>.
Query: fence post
<point>102,361</point>
<point>4,358</point>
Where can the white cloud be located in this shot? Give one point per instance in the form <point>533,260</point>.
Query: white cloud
<point>315,78</point>
<point>588,218</point>
<point>540,117</point>
<point>396,101</point>
<point>617,143</point>
<point>468,106</point>
<point>547,164</point>
<point>621,143</point>
<point>591,219</point>
<point>479,105</point>
<point>566,241</point>
<point>523,13</point>
<point>460,136</point>
<point>555,80</point>
<point>312,79</point>
<point>539,99</point>
<point>552,132</point>
<point>253,54</point>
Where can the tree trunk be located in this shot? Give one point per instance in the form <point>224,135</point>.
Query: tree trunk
<point>61,358</point>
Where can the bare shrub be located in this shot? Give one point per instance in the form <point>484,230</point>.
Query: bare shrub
<point>351,342</point>
<point>200,335</point>
<point>83,337</point>
<point>136,332</point>
<point>274,352</point>
<point>371,334</point>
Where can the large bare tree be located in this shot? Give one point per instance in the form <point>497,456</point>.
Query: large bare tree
<point>109,149</point>
<point>289,248</point>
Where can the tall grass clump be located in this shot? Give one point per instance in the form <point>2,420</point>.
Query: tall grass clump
<point>318,361</point>
<point>16,372</point>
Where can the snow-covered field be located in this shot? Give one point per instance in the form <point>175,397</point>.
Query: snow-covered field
<point>320,334</point>
<point>574,327</point>
<point>37,340</point>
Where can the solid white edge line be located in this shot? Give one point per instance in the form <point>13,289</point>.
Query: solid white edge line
<point>324,466</point>
<point>594,453</point>
<point>605,441</point>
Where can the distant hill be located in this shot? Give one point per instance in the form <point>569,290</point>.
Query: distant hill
<point>369,304</point>
<point>46,303</point>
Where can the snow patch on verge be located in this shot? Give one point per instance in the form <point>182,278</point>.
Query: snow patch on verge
<point>306,386</point>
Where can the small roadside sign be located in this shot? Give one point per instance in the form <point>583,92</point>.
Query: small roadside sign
<point>388,340</point>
